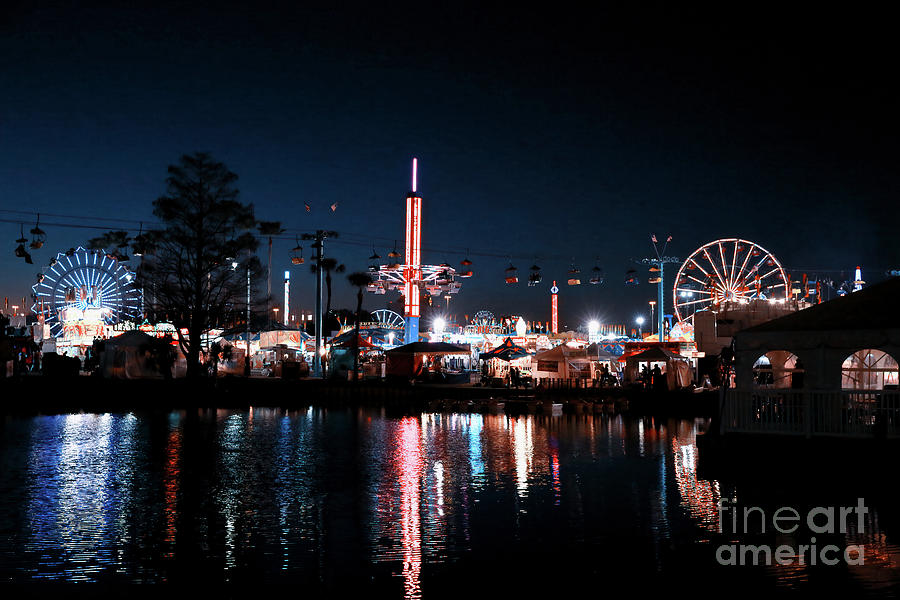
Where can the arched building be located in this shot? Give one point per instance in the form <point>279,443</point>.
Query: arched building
<point>830,369</point>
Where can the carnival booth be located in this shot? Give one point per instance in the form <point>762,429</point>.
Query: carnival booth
<point>605,364</point>
<point>135,355</point>
<point>675,368</point>
<point>270,360</point>
<point>370,355</point>
<point>425,361</point>
<point>561,362</point>
<point>499,362</point>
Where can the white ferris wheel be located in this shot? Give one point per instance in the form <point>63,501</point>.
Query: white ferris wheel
<point>723,270</point>
<point>84,284</point>
<point>388,319</point>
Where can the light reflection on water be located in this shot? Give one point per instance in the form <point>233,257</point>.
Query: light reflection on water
<point>329,498</point>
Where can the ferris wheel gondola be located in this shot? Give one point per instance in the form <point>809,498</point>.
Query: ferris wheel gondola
<point>729,269</point>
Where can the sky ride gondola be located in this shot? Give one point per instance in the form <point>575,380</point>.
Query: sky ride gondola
<point>297,253</point>
<point>512,274</point>
<point>20,250</point>
<point>466,263</point>
<point>38,235</point>
<point>631,277</point>
<point>535,276</point>
<point>573,275</point>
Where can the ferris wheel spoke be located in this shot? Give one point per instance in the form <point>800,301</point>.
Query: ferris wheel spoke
<point>694,302</point>
<point>696,264</point>
<point>775,270</point>
<point>692,291</point>
<point>715,270</point>
<point>697,280</point>
<point>726,278</point>
<point>734,263</point>
<point>744,264</point>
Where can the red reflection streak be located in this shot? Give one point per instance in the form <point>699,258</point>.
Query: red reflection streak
<point>554,467</point>
<point>170,479</point>
<point>409,454</point>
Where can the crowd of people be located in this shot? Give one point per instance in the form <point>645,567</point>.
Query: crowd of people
<point>653,379</point>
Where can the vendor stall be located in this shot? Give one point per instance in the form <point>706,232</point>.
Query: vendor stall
<point>508,362</point>
<point>675,369</point>
<point>425,361</point>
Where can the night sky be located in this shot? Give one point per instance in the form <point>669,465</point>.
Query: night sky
<point>543,134</point>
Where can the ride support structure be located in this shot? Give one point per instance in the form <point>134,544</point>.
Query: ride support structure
<point>554,309</point>
<point>659,264</point>
<point>413,272</point>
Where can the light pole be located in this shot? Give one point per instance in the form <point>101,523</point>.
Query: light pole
<point>234,266</point>
<point>652,305</point>
<point>319,245</point>
<point>640,324</point>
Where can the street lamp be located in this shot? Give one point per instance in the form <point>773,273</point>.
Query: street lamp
<point>593,328</point>
<point>275,310</point>
<point>321,353</point>
<point>640,324</point>
<point>652,305</point>
<point>438,325</point>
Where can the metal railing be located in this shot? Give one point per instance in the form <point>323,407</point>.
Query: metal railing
<point>874,413</point>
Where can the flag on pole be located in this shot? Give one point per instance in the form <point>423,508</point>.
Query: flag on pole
<point>306,205</point>
<point>653,237</point>
<point>334,207</point>
<point>669,239</point>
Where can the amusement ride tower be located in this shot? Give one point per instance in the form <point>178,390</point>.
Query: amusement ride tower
<point>413,272</point>
<point>410,278</point>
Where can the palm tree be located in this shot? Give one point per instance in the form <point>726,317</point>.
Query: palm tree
<point>328,265</point>
<point>359,280</point>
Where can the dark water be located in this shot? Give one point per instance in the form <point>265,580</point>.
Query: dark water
<point>422,506</point>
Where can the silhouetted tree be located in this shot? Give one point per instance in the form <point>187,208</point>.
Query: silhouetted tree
<point>198,262</point>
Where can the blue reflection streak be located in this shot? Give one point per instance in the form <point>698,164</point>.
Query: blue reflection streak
<point>79,474</point>
<point>476,460</point>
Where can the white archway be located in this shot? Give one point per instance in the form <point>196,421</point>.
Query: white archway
<point>778,369</point>
<point>869,369</point>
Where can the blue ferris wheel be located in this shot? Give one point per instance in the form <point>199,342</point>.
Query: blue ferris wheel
<point>85,285</point>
